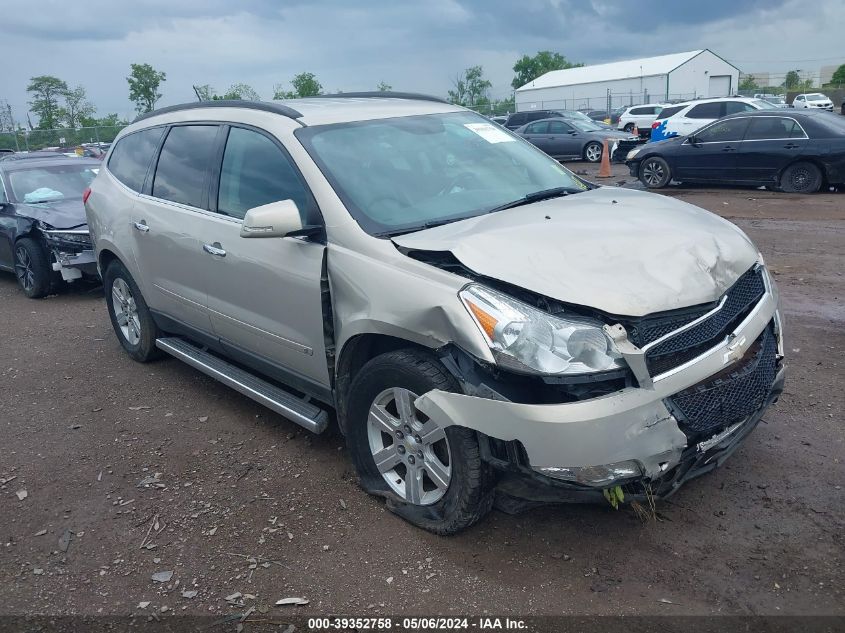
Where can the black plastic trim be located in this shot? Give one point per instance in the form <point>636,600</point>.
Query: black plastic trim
<point>265,106</point>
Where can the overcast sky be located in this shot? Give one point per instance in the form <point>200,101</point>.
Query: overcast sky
<point>414,45</point>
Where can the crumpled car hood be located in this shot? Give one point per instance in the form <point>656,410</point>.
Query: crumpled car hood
<point>621,251</point>
<point>61,214</point>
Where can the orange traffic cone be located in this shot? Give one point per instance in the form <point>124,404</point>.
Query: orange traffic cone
<point>604,170</point>
<point>635,131</point>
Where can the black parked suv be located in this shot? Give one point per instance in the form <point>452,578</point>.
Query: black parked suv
<point>518,119</point>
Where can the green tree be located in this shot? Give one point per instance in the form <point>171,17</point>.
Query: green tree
<point>470,88</point>
<point>304,85</point>
<point>383,86</point>
<point>528,68</point>
<point>838,77</point>
<point>144,82</point>
<point>792,80</point>
<point>46,91</point>
<point>76,107</point>
<point>240,91</point>
<point>748,83</point>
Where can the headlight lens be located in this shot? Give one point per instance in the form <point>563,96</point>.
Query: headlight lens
<point>83,239</point>
<point>633,153</point>
<point>528,340</point>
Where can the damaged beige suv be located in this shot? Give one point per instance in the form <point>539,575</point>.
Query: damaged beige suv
<point>484,325</point>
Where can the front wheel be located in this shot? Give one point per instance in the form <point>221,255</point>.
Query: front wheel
<point>432,477</point>
<point>32,268</point>
<point>629,128</point>
<point>592,152</point>
<point>130,317</point>
<point>801,178</point>
<point>655,172</point>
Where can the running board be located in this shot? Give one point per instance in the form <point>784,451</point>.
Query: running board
<point>282,402</point>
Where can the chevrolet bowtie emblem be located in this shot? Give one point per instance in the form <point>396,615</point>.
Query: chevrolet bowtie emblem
<point>735,350</point>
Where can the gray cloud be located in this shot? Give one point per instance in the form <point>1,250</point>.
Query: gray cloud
<point>412,45</point>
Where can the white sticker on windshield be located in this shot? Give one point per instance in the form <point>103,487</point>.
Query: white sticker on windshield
<point>490,132</point>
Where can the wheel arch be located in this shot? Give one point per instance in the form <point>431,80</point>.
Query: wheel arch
<point>355,353</point>
<point>809,159</point>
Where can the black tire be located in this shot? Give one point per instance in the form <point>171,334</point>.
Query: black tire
<point>629,127</point>
<point>590,155</point>
<point>469,496</point>
<point>655,172</point>
<point>144,349</point>
<point>801,177</point>
<point>32,268</point>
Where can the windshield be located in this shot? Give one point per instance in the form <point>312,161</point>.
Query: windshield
<point>48,183</point>
<point>816,97</point>
<point>762,104</point>
<point>585,126</point>
<point>775,99</point>
<point>402,174</point>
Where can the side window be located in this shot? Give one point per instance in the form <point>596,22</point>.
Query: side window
<point>558,127</point>
<point>517,120</point>
<point>640,111</point>
<point>713,110</point>
<point>130,159</point>
<point>734,107</point>
<point>799,98</point>
<point>773,128</point>
<point>184,164</point>
<point>670,112</point>
<point>537,128</point>
<point>256,172</point>
<point>723,131</point>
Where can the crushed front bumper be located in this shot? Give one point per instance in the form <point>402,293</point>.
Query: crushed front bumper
<point>638,424</point>
<point>73,266</point>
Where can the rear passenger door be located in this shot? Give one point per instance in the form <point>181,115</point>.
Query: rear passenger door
<point>167,218</point>
<point>771,143</point>
<point>537,134</point>
<point>265,294</point>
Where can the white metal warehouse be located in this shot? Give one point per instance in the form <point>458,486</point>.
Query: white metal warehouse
<point>699,73</point>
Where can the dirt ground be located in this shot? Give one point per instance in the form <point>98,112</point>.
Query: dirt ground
<point>248,503</point>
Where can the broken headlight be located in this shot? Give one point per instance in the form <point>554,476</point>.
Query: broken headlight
<point>527,340</point>
<point>75,237</point>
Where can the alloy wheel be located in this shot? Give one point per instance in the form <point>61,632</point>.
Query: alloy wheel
<point>594,153</point>
<point>409,450</point>
<point>23,269</point>
<point>801,178</point>
<point>125,311</point>
<point>653,173</point>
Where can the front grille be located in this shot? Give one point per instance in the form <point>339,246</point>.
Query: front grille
<point>730,396</point>
<point>623,146</point>
<point>686,345</point>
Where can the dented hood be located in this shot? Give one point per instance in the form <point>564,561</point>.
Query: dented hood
<point>620,251</point>
<point>60,214</point>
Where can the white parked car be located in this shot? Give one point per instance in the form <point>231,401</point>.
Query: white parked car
<point>813,100</point>
<point>685,118</point>
<point>640,115</point>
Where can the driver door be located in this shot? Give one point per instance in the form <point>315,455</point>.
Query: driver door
<point>264,294</point>
<point>712,153</point>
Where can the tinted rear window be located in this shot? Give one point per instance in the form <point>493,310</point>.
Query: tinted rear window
<point>671,111</point>
<point>183,165</point>
<point>131,157</point>
<point>713,110</point>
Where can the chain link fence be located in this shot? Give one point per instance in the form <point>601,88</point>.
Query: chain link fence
<point>31,140</point>
<point>608,103</point>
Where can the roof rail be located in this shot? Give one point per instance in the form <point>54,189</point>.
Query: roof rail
<point>266,106</point>
<point>384,95</point>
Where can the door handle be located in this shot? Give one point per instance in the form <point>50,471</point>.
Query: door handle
<point>142,226</point>
<point>728,149</point>
<point>215,249</point>
<point>791,146</point>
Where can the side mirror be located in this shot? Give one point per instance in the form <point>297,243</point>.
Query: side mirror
<point>277,219</point>
<point>693,140</point>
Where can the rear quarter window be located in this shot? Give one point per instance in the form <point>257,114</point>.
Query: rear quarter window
<point>131,157</point>
<point>668,112</point>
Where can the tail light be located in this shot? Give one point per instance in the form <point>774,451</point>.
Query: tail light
<point>86,194</point>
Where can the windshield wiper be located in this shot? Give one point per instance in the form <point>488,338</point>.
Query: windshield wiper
<point>413,229</point>
<point>537,196</point>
